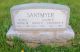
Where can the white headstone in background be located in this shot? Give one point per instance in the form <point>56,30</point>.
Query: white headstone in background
<point>41,22</point>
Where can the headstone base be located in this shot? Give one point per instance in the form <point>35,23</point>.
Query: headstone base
<point>42,36</point>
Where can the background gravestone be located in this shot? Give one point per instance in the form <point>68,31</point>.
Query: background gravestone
<point>41,23</point>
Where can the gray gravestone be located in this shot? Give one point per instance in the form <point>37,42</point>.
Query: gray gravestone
<point>41,23</point>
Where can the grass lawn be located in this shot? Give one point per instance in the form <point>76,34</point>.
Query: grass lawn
<point>5,23</point>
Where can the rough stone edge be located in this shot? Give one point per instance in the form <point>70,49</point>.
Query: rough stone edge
<point>11,34</point>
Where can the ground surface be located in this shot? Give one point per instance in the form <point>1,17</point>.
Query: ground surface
<point>5,22</point>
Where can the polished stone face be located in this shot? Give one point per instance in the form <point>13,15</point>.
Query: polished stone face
<point>40,18</point>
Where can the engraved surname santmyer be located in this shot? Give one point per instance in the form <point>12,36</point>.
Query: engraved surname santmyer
<point>41,15</point>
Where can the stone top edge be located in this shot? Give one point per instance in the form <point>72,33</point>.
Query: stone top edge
<point>43,5</point>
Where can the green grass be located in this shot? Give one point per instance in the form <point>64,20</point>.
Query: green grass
<point>5,23</point>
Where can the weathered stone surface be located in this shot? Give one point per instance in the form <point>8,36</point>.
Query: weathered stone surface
<point>42,36</point>
<point>41,23</point>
